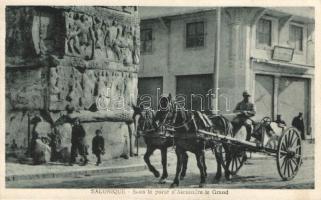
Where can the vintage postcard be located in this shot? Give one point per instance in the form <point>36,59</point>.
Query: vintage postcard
<point>166,100</point>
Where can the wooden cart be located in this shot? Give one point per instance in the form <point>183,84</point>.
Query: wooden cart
<point>285,145</point>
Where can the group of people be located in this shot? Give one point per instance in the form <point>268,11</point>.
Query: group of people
<point>245,110</point>
<point>79,146</point>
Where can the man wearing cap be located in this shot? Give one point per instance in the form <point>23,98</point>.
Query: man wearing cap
<point>298,123</point>
<point>244,110</point>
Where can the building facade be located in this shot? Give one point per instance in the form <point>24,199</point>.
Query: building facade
<point>266,51</point>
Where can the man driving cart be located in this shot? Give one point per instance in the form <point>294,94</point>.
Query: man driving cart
<point>245,110</point>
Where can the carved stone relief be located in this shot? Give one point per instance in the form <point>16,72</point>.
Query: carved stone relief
<point>25,89</point>
<point>94,38</point>
<point>69,86</point>
<point>19,41</point>
<point>79,41</point>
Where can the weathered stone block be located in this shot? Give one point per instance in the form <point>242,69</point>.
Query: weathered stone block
<point>80,89</point>
<point>25,89</point>
<point>93,36</point>
<point>114,133</point>
<point>19,25</point>
<point>42,152</point>
<point>43,129</point>
<point>70,56</point>
<point>17,127</point>
<point>32,32</point>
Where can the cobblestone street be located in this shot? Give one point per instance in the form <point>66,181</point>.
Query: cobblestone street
<point>259,172</point>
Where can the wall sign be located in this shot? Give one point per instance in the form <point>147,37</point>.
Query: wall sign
<point>282,53</point>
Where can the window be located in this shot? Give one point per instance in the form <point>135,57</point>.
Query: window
<point>296,37</point>
<point>195,34</point>
<point>263,32</point>
<point>146,38</point>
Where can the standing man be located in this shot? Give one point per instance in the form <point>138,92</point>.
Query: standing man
<point>98,146</point>
<point>298,123</point>
<point>78,143</point>
<point>244,110</point>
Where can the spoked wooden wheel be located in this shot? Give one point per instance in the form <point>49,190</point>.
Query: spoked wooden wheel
<point>237,159</point>
<point>289,154</point>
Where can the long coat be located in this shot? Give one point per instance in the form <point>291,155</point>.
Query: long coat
<point>78,135</point>
<point>299,124</point>
<point>98,145</point>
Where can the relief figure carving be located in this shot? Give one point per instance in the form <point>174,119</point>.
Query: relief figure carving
<point>80,36</point>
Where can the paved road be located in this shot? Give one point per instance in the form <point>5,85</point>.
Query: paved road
<point>256,174</point>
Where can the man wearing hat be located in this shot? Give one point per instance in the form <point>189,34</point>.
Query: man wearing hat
<point>298,123</point>
<point>244,110</point>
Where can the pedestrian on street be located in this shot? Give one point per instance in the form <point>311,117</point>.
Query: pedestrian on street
<point>78,143</point>
<point>298,123</point>
<point>98,146</point>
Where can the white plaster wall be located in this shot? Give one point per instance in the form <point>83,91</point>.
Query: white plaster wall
<point>198,60</point>
<point>281,38</point>
<point>154,63</point>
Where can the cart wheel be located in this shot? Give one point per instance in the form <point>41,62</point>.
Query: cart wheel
<point>289,154</point>
<point>237,159</point>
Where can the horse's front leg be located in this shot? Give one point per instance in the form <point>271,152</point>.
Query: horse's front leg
<point>185,161</point>
<point>178,167</point>
<point>229,154</point>
<point>164,164</point>
<point>149,152</point>
<point>199,158</point>
<point>219,162</point>
<point>204,165</point>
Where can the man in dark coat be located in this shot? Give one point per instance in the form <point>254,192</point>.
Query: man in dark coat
<point>245,110</point>
<point>298,123</point>
<point>98,146</point>
<point>78,144</point>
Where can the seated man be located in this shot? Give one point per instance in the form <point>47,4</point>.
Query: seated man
<point>244,110</point>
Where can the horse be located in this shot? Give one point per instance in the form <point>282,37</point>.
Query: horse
<point>186,124</point>
<point>186,139</point>
<point>223,126</point>
<point>156,136</point>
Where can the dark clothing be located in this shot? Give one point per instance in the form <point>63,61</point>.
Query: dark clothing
<point>298,123</point>
<point>33,142</point>
<point>73,152</point>
<point>98,145</point>
<point>280,123</point>
<point>82,147</point>
<point>247,110</point>
<point>246,106</point>
<point>78,144</point>
<point>78,133</point>
<point>98,158</point>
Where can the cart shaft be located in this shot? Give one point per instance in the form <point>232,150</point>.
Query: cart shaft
<point>246,143</point>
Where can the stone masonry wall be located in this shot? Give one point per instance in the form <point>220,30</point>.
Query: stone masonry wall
<point>59,57</point>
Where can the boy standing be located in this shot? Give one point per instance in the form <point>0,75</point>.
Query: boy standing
<point>98,145</point>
